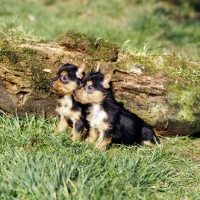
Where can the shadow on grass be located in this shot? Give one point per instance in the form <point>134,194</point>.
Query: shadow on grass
<point>195,135</point>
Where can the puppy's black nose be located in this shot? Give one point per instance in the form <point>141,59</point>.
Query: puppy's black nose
<point>50,83</point>
<point>74,91</point>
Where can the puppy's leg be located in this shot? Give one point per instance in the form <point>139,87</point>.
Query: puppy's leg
<point>62,125</point>
<point>77,132</point>
<point>93,135</point>
<point>103,141</point>
<point>103,144</point>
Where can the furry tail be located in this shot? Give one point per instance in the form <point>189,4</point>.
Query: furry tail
<point>149,136</point>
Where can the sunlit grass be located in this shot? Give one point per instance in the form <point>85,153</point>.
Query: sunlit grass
<point>36,165</point>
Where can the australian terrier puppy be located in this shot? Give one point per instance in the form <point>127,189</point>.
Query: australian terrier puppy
<point>109,121</point>
<point>69,110</point>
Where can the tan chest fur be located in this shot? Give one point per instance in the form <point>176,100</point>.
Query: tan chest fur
<point>64,108</point>
<point>97,118</point>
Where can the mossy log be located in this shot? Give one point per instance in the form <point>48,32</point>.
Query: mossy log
<point>161,89</point>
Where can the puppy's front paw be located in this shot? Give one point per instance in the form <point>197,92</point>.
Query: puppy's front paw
<point>76,136</point>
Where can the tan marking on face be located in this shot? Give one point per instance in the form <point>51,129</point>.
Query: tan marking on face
<point>94,98</point>
<point>64,73</point>
<point>81,96</point>
<point>60,88</point>
<point>89,83</point>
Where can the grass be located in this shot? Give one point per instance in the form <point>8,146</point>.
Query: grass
<point>36,165</point>
<point>165,27</point>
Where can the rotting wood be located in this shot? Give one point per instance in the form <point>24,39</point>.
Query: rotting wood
<point>22,89</point>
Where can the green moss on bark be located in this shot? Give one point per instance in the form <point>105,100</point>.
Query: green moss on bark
<point>97,48</point>
<point>26,61</point>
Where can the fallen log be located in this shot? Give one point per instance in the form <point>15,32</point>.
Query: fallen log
<point>161,89</point>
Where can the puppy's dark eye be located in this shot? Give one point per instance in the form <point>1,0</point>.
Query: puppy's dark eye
<point>90,87</point>
<point>64,79</point>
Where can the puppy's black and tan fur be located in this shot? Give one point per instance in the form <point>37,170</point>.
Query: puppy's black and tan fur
<point>69,110</point>
<point>110,122</point>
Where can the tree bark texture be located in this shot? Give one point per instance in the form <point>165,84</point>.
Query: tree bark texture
<point>26,69</point>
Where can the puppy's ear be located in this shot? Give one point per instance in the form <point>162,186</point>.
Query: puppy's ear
<point>106,80</point>
<point>81,69</point>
